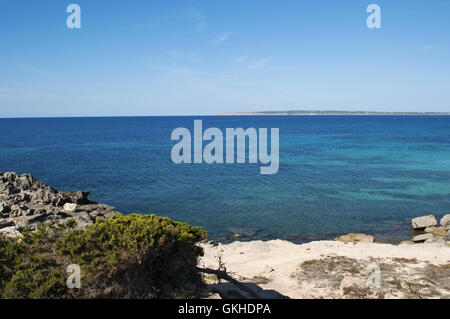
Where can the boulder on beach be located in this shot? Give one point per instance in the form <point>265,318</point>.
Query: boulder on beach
<point>445,221</point>
<point>424,222</point>
<point>355,238</point>
<point>441,231</point>
<point>421,238</point>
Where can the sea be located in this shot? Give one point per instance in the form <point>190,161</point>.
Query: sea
<point>337,174</point>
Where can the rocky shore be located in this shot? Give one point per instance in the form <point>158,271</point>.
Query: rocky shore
<point>26,201</point>
<point>418,268</point>
<point>351,266</point>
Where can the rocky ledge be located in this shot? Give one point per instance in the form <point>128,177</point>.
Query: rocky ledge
<point>26,201</point>
<point>425,230</point>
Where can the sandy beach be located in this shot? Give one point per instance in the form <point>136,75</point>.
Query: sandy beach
<point>331,269</point>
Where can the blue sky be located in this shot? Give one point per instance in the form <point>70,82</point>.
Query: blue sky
<point>203,57</point>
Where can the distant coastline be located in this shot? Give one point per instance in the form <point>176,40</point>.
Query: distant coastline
<point>308,113</point>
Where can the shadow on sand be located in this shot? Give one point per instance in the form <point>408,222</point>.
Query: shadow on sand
<point>228,290</point>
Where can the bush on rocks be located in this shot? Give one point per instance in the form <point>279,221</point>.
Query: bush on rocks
<point>133,256</point>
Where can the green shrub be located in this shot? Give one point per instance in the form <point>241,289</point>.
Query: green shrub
<point>10,253</point>
<point>133,256</point>
<point>29,266</point>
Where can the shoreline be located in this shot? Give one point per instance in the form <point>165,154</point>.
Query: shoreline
<point>214,241</point>
<point>389,240</point>
<point>330,269</point>
<point>336,268</point>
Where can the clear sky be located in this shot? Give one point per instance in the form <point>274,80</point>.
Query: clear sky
<point>144,57</point>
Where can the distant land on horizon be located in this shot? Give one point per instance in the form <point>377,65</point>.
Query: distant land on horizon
<point>330,113</point>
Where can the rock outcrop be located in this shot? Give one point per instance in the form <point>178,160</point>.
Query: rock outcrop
<point>422,238</point>
<point>437,231</point>
<point>26,201</point>
<point>445,221</point>
<point>427,231</point>
<point>424,222</point>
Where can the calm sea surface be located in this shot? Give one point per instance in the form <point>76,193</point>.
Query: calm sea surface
<point>338,174</point>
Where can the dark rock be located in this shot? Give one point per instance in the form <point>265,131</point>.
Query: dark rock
<point>29,212</point>
<point>64,215</point>
<point>81,198</point>
<point>25,202</point>
<point>27,181</point>
<point>10,176</point>
<point>4,208</point>
<point>6,223</point>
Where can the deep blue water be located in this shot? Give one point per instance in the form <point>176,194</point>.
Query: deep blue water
<point>337,174</point>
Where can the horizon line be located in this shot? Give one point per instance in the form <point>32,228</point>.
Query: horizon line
<point>255,113</point>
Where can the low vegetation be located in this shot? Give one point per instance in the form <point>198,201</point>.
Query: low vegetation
<point>133,256</point>
<point>343,277</point>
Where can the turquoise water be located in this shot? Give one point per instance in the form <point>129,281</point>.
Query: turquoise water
<point>337,174</point>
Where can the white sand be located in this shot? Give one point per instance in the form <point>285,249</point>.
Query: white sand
<point>278,261</point>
